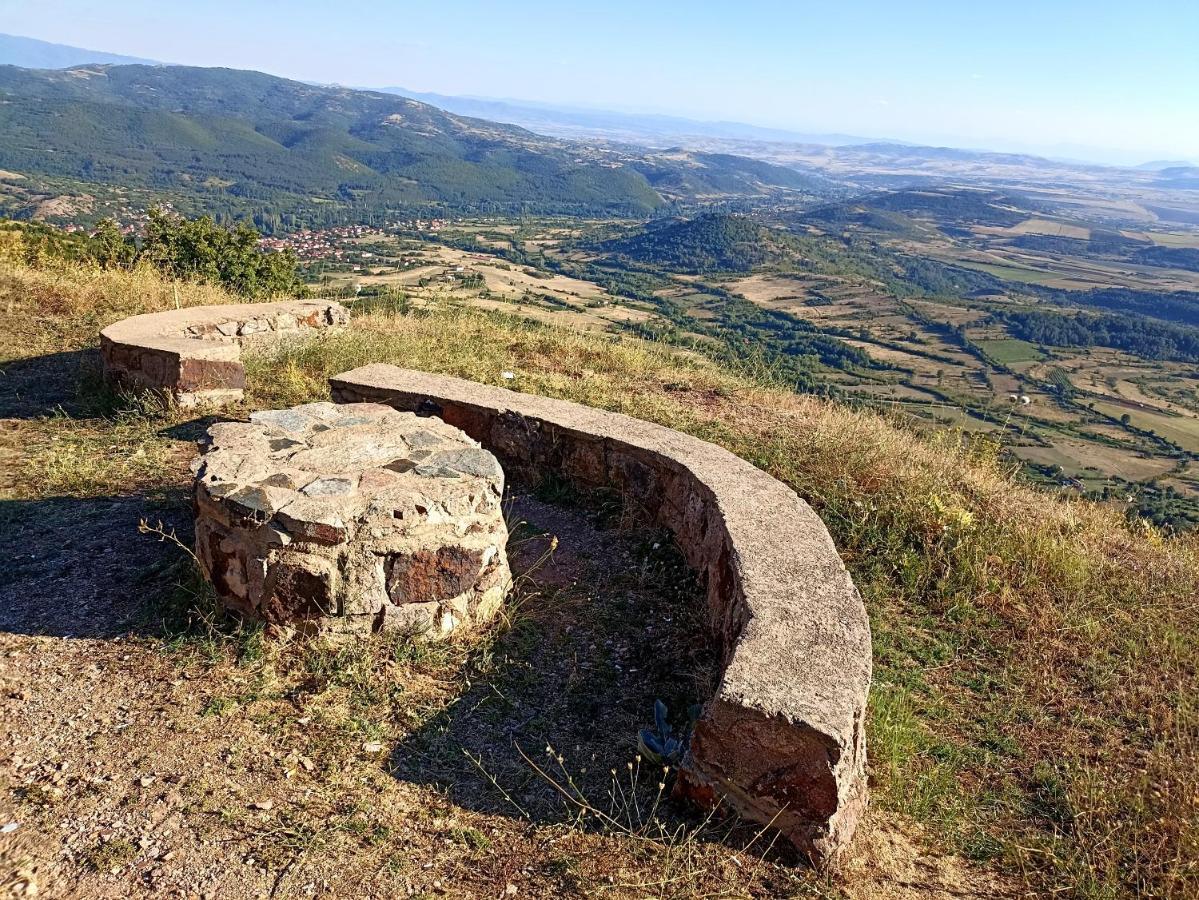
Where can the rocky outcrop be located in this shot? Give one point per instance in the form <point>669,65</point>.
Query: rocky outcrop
<point>351,519</point>
<point>193,355</point>
<point>782,741</point>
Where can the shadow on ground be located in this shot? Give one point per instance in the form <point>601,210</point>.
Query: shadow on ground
<point>603,626</point>
<point>77,567</point>
<point>72,383</point>
<point>42,385</point>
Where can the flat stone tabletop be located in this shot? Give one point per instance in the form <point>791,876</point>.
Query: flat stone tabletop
<point>321,467</point>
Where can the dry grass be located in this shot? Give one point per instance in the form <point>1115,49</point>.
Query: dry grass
<point>89,441</point>
<point>1035,658</point>
<point>65,306</point>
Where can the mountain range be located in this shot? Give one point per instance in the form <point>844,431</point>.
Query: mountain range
<point>558,120</point>
<point>30,53</point>
<point>590,124</point>
<point>550,119</point>
<point>292,153</point>
<point>235,141</point>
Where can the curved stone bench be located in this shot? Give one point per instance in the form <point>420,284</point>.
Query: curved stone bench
<point>783,740</point>
<point>193,355</point>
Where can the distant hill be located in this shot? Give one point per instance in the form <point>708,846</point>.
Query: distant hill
<point>713,242</point>
<point>1182,176</point>
<point>1158,165</point>
<point>234,141</point>
<point>897,152</point>
<point>962,206</point>
<point>30,53</point>
<point>575,122</point>
<point>680,173</point>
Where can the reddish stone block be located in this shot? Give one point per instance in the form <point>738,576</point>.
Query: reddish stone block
<point>210,374</point>
<point>432,574</point>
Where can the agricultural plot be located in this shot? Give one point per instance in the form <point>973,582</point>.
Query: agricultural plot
<point>939,383</point>
<point>436,272</point>
<point>1051,227</point>
<point>1010,350</point>
<point>941,359</point>
<point>1064,271</point>
<point>1181,430</point>
<point>1080,458</point>
<point>1169,238</point>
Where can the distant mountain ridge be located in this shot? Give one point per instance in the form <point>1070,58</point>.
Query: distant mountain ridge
<point>547,118</point>
<point>30,53</point>
<point>1160,165</point>
<point>592,124</point>
<point>576,122</point>
<point>237,141</point>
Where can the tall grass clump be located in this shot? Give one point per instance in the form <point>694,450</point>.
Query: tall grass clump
<point>63,306</point>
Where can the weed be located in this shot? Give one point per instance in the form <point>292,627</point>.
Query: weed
<point>190,616</point>
<point>470,837</point>
<point>218,706</point>
<point>109,856</point>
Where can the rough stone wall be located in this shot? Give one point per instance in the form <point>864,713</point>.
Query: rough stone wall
<point>783,739</point>
<point>193,355</point>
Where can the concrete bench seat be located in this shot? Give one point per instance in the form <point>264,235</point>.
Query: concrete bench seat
<point>782,741</point>
<point>193,355</point>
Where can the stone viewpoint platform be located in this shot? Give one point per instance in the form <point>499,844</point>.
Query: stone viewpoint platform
<point>352,519</point>
<point>782,741</point>
<point>193,354</point>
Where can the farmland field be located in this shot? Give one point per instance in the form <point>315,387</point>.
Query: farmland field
<point>1010,350</point>
<point>1099,420</point>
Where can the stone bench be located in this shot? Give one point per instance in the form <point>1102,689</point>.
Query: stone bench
<point>783,741</point>
<point>193,355</point>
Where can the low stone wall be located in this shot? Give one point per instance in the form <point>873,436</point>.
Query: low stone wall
<point>783,740</point>
<point>193,355</point>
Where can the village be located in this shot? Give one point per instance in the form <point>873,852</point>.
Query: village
<point>325,243</point>
<point>307,244</point>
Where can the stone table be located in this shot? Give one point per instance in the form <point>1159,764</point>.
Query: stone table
<point>351,518</point>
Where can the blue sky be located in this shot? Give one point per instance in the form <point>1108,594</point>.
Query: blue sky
<point>1098,79</point>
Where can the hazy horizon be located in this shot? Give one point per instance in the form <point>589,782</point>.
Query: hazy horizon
<point>1074,81</point>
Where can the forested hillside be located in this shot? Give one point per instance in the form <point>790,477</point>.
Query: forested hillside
<point>240,142</point>
<point>707,243</point>
<point>243,136</point>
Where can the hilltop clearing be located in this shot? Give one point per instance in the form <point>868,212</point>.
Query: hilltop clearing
<point>1031,720</point>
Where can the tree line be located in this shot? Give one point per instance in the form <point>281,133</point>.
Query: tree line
<point>191,249</point>
<point>1137,335</point>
